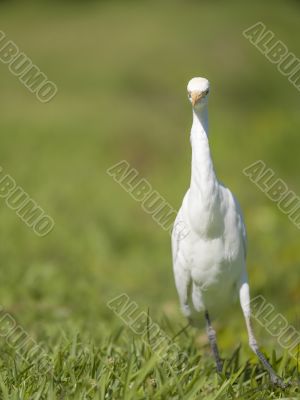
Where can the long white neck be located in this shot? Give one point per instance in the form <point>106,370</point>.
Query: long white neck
<point>203,178</point>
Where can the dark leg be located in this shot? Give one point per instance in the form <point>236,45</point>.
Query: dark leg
<point>275,379</point>
<point>245,303</point>
<point>213,342</point>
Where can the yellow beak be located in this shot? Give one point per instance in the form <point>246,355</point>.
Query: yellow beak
<point>196,96</point>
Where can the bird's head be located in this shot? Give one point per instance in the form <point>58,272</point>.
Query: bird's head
<point>198,90</point>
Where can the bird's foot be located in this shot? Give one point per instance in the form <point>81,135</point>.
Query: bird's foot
<point>277,381</point>
<point>219,367</point>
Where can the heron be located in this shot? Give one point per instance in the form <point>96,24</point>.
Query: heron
<point>209,259</point>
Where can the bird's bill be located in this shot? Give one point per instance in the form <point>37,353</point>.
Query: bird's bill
<point>196,96</point>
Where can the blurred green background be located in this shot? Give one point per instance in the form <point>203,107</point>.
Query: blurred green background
<point>121,68</point>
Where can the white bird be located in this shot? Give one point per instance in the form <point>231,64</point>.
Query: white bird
<point>209,254</point>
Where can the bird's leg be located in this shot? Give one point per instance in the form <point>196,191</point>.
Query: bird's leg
<point>213,342</point>
<point>245,303</point>
<point>275,379</point>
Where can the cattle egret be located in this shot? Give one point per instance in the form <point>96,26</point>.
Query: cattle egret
<point>209,259</point>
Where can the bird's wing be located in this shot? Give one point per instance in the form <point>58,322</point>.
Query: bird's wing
<point>242,225</point>
<point>244,236</point>
<point>180,230</point>
<point>176,238</point>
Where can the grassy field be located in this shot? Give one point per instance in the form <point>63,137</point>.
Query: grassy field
<point>121,68</point>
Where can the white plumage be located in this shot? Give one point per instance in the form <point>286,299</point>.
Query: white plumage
<point>209,254</point>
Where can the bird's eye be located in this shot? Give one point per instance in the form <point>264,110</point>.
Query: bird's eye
<point>206,92</point>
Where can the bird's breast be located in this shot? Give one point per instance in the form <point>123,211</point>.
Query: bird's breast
<point>214,260</point>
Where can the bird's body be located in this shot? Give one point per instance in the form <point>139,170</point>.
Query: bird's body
<point>209,249</point>
<point>212,254</point>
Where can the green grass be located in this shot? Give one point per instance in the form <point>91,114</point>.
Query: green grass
<point>120,366</point>
<point>121,69</point>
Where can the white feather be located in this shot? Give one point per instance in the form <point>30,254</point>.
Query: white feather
<point>211,255</point>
